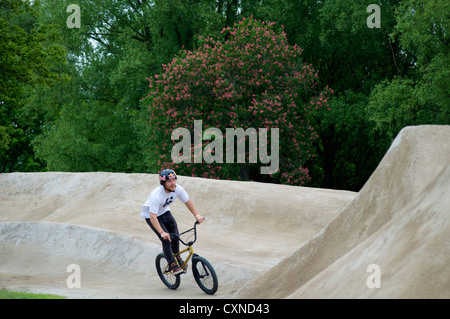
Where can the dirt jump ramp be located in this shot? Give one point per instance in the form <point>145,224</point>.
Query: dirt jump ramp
<point>399,222</point>
<point>265,240</point>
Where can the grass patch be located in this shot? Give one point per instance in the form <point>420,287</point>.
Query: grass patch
<point>5,294</point>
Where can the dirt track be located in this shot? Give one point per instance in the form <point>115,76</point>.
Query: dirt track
<point>265,241</point>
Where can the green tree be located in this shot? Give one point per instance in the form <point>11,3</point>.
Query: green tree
<point>28,56</point>
<point>351,58</point>
<point>248,78</point>
<point>421,94</point>
<point>108,58</point>
<point>94,119</point>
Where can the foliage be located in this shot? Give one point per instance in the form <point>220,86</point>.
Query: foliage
<point>419,96</point>
<point>351,58</point>
<point>94,120</point>
<point>28,54</point>
<point>5,294</point>
<point>71,99</point>
<point>250,78</point>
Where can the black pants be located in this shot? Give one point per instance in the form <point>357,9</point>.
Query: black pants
<point>169,225</point>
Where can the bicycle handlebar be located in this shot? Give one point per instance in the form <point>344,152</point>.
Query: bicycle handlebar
<point>172,235</point>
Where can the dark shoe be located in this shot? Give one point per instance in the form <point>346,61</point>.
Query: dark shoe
<point>175,269</point>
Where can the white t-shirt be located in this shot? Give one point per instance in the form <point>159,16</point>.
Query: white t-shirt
<point>158,202</point>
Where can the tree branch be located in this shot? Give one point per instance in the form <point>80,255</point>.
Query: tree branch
<point>393,54</point>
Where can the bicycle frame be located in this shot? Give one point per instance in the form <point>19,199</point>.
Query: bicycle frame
<point>189,248</point>
<point>191,253</point>
<point>202,270</point>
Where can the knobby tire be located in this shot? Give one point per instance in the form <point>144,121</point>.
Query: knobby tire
<point>204,275</point>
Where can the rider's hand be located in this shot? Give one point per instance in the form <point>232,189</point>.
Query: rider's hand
<point>199,218</point>
<point>165,235</point>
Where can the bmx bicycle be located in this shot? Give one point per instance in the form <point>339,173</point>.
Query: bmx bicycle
<point>203,272</point>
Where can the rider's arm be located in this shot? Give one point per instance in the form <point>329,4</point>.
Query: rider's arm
<point>155,223</point>
<point>190,205</point>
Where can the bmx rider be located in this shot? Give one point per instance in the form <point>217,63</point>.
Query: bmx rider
<point>158,216</point>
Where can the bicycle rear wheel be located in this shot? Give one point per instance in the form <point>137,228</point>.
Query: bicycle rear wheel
<point>204,275</point>
<point>162,267</point>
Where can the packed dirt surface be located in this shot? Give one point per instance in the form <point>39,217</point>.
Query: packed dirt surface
<point>390,240</point>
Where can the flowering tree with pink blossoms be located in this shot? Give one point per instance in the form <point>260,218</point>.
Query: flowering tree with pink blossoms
<point>249,78</point>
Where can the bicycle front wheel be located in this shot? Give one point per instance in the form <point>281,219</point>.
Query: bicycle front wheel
<point>162,267</point>
<point>204,275</point>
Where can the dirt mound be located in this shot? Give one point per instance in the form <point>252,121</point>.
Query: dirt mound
<point>399,221</point>
<point>411,251</point>
<point>280,241</point>
<point>51,220</point>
